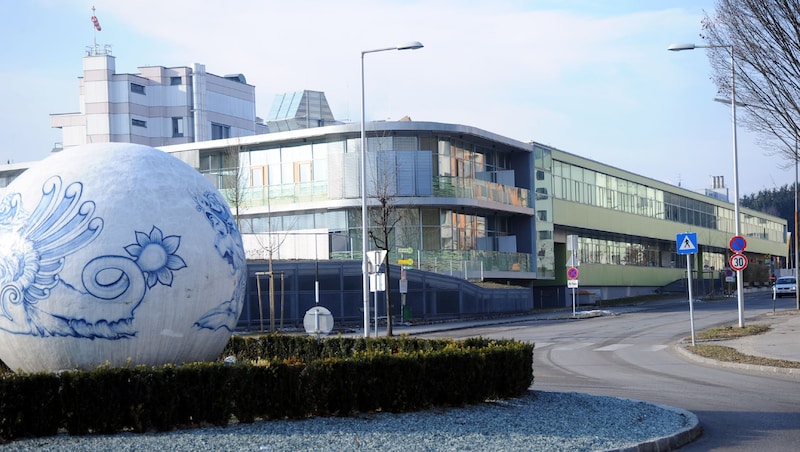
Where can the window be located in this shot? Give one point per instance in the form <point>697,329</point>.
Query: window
<point>174,81</point>
<point>177,127</point>
<point>138,123</point>
<point>220,131</point>
<point>137,88</point>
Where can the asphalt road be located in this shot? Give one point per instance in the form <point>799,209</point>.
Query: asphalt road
<point>632,354</point>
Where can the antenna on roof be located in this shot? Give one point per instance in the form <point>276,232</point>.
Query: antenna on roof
<point>97,28</point>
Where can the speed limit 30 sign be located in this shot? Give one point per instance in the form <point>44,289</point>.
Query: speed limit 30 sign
<point>738,262</point>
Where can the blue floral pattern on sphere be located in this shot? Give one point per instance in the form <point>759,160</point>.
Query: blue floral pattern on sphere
<point>155,256</point>
<point>34,248</point>
<point>228,243</point>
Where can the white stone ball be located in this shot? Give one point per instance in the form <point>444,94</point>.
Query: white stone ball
<point>116,254</point>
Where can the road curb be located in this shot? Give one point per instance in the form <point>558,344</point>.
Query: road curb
<point>673,441</point>
<point>681,349</point>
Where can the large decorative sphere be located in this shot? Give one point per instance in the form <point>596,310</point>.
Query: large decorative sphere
<point>116,254</point>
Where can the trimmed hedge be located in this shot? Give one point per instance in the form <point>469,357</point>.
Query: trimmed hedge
<point>275,377</point>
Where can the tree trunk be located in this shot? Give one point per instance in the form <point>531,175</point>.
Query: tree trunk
<point>387,279</point>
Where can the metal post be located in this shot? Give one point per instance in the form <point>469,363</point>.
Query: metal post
<point>737,220</point>
<point>364,212</point>
<point>691,297</point>
<point>364,219</point>
<point>796,256</point>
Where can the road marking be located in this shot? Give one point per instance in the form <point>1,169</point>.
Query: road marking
<point>561,346</point>
<point>612,347</point>
<point>656,348</point>
<point>574,346</point>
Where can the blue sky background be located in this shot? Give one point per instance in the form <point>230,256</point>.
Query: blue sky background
<point>591,78</point>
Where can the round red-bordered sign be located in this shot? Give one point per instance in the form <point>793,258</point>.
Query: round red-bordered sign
<point>738,262</point>
<point>737,244</point>
<point>572,273</point>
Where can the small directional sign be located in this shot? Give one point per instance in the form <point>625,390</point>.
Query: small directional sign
<point>572,284</point>
<point>686,242</point>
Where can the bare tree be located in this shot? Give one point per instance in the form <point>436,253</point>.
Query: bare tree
<point>384,217</point>
<point>270,244</point>
<point>764,36</point>
<point>234,180</point>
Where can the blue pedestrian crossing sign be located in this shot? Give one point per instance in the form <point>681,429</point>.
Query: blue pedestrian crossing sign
<point>686,242</point>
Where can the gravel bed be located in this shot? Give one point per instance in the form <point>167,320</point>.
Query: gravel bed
<point>539,420</point>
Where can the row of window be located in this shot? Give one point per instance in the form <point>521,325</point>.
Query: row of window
<point>641,253</point>
<point>574,183</point>
<point>218,131</point>
<point>138,88</point>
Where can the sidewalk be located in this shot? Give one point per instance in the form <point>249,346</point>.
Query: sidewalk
<point>782,341</point>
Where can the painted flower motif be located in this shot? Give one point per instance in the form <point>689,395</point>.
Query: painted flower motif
<point>155,256</point>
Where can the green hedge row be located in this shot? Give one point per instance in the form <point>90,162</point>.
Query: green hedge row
<point>275,377</point>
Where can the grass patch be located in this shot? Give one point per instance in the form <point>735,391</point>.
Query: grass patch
<point>731,332</point>
<point>729,354</point>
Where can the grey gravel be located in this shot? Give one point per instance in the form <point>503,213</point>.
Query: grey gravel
<point>547,421</point>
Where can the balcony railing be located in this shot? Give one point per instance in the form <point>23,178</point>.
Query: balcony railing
<point>467,264</point>
<point>461,187</point>
<point>446,187</point>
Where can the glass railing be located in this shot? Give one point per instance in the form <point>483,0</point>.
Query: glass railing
<point>461,187</point>
<point>277,194</point>
<point>443,186</point>
<point>468,264</point>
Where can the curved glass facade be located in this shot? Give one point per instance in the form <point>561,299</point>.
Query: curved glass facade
<point>465,191</point>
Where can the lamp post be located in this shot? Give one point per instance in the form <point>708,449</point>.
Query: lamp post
<point>412,45</point>
<point>737,220</point>
<point>795,157</point>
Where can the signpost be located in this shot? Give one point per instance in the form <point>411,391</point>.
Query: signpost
<point>572,262</point>
<point>377,284</point>
<point>686,243</point>
<point>738,262</point>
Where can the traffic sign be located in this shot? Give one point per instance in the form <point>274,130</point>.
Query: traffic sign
<point>405,261</point>
<point>738,262</point>
<point>572,284</point>
<point>686,242</point>
<point>737,244</point>
<point>572,273</point>
<point>405,250</point>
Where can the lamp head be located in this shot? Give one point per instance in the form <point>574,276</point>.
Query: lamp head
<point>676,47</point>
<point>411,45</point>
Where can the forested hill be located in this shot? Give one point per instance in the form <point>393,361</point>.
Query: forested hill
<point>778,202</point>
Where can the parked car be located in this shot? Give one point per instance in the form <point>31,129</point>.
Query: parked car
<point>785,285</point>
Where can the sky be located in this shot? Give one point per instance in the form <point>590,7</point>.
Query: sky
<point>591,78</point>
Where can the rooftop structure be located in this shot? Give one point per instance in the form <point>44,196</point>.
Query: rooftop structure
<point>159,106</point>
<point>299,110</point>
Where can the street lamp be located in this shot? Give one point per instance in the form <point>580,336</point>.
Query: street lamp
<point>412,45</point>
<point>737,220</point>
<point>795,157</point>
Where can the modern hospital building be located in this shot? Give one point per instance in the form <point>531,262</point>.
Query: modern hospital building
<point>481,224</point>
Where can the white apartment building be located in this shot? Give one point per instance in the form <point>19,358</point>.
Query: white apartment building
<point>159,106</point>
